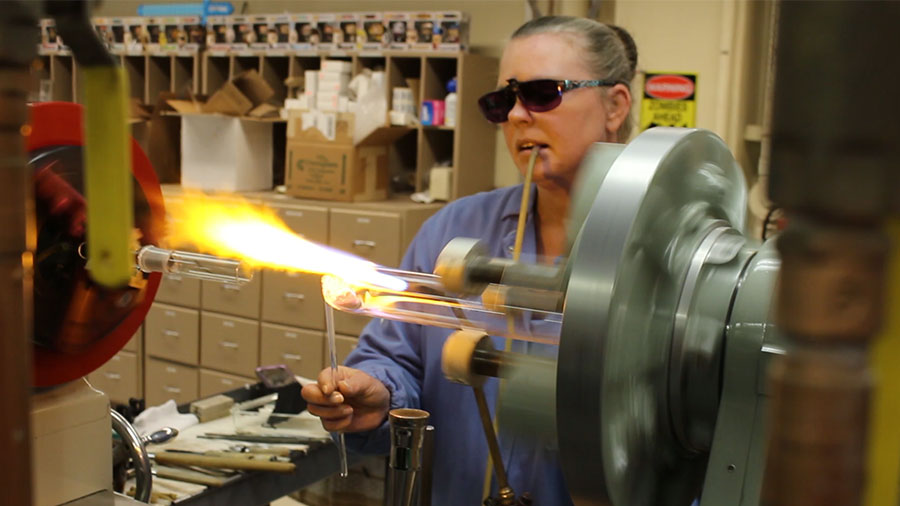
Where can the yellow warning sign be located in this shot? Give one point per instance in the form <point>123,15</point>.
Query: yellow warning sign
<point>669,100</point>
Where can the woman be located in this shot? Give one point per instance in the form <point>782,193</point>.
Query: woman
<point>563,85</point>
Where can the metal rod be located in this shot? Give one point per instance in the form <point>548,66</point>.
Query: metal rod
<point>491,436</point>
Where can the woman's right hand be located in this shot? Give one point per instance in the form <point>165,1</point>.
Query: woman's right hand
<point>359,404</point>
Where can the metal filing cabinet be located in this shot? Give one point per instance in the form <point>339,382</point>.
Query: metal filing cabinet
<point>178,290</point>
<point>301,350</point>
<point>229,344</point>
<point>230,298</point>
<point>172,333</point>
<point>293,298</point>
<point>368,234</point>
<point>214,382</point>
<point>120,377</point>
<point>168,380</point>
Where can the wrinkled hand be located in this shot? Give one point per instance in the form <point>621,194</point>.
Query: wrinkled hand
<point>359,404</point>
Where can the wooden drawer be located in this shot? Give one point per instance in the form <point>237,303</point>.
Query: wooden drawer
<point>229,344</point>
<point>310,222</point>
<point>343,346</point>
<point>293,298</point>
<point>173,333</point>
<point>233,299</point>
<point>371,235</point>
<point>134,344</point>
<point>301,350</point>
<point>179,290</point>
<point>168,380</point>
<point>213,382</point>
<point>119,378</point>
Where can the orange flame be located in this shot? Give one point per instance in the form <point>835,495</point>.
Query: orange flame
<point>254,234</point>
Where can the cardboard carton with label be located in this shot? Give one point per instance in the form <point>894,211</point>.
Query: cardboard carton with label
<point>323,161</point>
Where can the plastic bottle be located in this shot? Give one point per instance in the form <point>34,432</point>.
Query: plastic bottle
<point>450,104</point>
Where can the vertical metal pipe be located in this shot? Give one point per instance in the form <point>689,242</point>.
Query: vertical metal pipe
<point>834,166</point>
<point>407,439</point>
<point>18,42</point>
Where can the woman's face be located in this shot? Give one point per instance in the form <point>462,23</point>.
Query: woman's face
<point>565,133</point>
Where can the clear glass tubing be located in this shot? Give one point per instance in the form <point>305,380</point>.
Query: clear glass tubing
<point>425,302</point>
<point>192,265</point>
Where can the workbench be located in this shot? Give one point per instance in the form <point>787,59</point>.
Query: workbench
<point>317,461</point>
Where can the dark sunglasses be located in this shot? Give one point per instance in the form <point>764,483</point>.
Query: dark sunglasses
<point>540,95</point>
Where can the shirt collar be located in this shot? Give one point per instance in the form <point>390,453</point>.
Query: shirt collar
<point>511,208</point>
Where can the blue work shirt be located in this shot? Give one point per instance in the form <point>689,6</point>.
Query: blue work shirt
<point>407,359</point>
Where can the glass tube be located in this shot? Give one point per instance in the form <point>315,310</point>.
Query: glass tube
<point>193,265</point>
<point>424,303</point>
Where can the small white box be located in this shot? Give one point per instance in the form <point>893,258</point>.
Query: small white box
<point>310,81</point>
<point>441,183</point>
<point>328,102</point>
<point>339,87</point>
<point>337,66</point>
<point>225,153</point>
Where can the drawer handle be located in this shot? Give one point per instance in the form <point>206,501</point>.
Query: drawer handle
<point>229,286</point>
<point>171,333</point>
<point>227,323</point>
<point>291,356</point>
<point>227,382</point>
<point>170,313</point>
<point>229,344</point>
<point>290,335</point>
<point>294,296</point>
<point>113,375</point>
<point>174,277</point>
<point>359,242</point>
<point>295,214</point>
<point>172,390</point>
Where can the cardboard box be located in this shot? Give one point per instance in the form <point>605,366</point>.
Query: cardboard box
<point>285,34</point>
<point>219,33</point>
<point>398,27</point>
<point>244,35</point>
<point>306,30</point>
<point>349,24</point>
<point>264,28</point>
<point>193,34</point>
<point>373,32</point>
<point>451,31</point>
<point>245,95</point>
<point>136,36</point>
<point>328,28</point>
<point>323,162</point>
<point>421,36</point>
<point>225,153</point>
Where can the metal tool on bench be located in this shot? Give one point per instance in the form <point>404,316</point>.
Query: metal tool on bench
<point>237,462</point>
<point>264,438</point>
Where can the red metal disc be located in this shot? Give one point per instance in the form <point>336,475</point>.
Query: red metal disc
<point>60,124</point>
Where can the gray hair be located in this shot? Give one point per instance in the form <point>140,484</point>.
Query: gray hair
<point>609,51</point>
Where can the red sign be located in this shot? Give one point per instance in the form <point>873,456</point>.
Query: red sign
<point>669,87</point>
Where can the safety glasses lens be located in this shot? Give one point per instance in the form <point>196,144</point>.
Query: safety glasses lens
<point>540,95</point>
<point>496,105</point>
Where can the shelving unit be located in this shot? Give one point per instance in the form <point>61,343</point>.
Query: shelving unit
<point>469,146</point>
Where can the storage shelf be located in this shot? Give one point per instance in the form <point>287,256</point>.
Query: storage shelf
<point>468,147</point>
